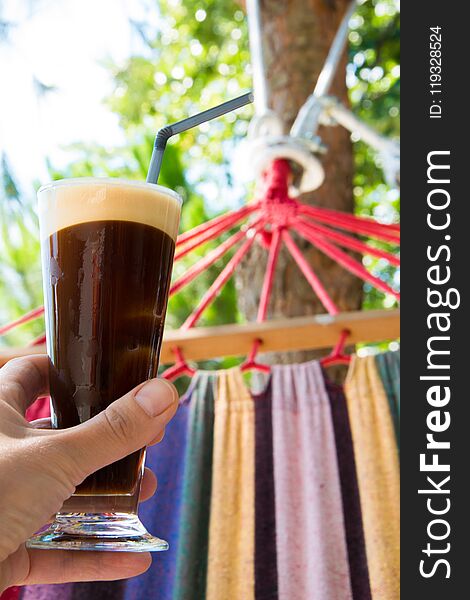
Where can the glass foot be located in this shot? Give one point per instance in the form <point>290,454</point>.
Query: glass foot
<point>111,532</point>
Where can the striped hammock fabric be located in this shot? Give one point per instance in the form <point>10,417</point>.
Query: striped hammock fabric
<point>377,464</point>
<point>290,494</point>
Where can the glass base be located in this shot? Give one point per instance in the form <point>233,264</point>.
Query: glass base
<point>111,532</point>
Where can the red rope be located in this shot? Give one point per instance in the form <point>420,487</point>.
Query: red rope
<point>275,183</point>
<point>274,249</point>
<point>206,262</point>
<point>29,316</point>
<point>203,227</point>
<point>250,362</point>
<point>345,260</point>
<point>178,369</point>
<point>309,274</point>
<point>337,356</point>
<point>223,277</point>
<point>359,219</point>
<point>350,242</point>
<point>41,339</point>
<point>278,211</point>
<point>181,367</point>
<point>356,225</point>
<point>213,233</point>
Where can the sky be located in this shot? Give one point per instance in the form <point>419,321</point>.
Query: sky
<point>60,43</point>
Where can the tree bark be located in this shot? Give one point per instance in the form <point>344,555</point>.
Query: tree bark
<point>296,38</point>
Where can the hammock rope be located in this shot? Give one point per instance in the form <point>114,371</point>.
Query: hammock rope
<point>270,221</point>
<point>275,214</point>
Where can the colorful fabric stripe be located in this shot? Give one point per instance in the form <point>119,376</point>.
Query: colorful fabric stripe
<point>232,520</point>
<point>349,493</point>
<point>376,456</point>
<point>58,591</point>
<point>85,590</point>
<point>104,590</point>
<point>290,494</point>
<point>193,547</point>
<point>388,365</point>
<point>161,514</point>
<point>312,560</point>
<point>265,509</point>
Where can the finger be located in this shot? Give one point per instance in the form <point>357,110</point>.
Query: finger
<point>157,439</point>
<point>23,379</point>
<point>62,566</point>
<point>46,423</point>
<point>149,485</point>
<point>126,425</point>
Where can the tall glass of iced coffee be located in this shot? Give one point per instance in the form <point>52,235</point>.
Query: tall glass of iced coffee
<point>107,249</point>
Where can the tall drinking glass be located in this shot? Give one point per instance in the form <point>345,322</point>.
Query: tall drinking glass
<point>107,248</point>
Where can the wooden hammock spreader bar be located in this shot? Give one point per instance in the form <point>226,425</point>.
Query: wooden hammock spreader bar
<point>299,333</point>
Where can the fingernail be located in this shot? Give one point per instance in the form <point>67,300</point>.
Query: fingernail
<point>154,398</point>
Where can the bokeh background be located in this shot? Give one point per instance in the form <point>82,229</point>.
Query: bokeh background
<point>85,85</point>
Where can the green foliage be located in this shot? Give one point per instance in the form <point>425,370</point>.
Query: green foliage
<point>20,269</point>
<point>373,78</point>
<point>198,57</point>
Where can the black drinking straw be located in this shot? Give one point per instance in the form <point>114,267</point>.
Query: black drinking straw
<point>166,132</point>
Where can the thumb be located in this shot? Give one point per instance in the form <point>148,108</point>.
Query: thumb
<point>126,425</point>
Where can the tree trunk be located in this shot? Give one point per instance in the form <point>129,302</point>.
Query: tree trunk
<point>296,38</point>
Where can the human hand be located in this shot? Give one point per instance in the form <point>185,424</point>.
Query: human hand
<point>40,468</point>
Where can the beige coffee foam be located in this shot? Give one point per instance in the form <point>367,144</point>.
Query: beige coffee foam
<point>65,204</point>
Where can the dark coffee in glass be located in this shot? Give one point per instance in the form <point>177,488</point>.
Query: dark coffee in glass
<point>107,250</point>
